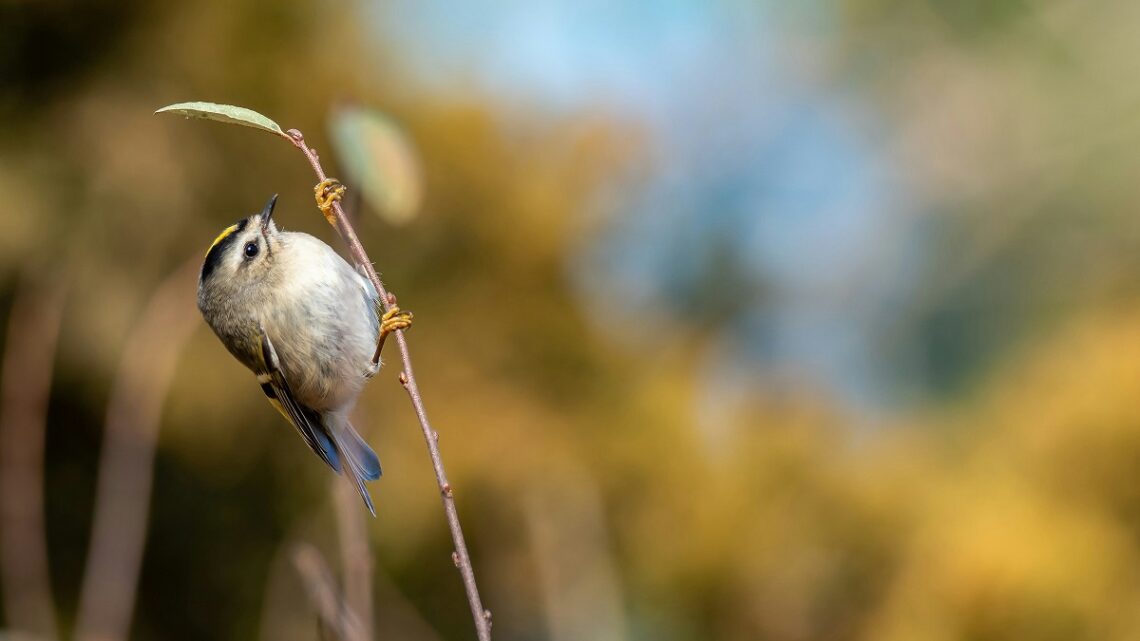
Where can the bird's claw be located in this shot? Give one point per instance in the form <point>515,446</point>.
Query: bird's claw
<point>327,192</point>
<point>392,320</point>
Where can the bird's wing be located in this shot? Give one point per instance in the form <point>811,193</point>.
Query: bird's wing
<point>306,420</point>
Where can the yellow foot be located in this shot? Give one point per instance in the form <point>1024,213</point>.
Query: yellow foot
<point>327,192</point>
<point>392,320</point>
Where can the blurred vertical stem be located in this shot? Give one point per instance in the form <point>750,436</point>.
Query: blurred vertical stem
<point>462,559</point>
<point>126,464</point>
<point>29,354</point>
<point>319,584</point>
<point>355,556</point>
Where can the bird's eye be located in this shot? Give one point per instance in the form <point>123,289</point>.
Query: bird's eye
<point>250,250</point>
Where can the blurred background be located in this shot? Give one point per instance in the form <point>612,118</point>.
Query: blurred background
<point>781,321</point>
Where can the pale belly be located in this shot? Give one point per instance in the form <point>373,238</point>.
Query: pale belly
<point>326,344</point>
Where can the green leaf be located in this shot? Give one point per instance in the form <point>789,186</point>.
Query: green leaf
<point>224,113</point>
<point>380,160</point>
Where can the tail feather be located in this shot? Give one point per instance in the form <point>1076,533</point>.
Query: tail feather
<point>359,461</point>
<point>329,451</point>
<point>356,449</point>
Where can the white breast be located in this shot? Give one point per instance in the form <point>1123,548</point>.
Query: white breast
<point>321,322</point>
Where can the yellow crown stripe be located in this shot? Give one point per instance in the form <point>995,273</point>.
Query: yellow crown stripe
<point>225,232</point>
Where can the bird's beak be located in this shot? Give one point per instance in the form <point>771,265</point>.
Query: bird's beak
<point>267,213</point>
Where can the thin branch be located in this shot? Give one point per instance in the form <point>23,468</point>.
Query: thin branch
<point>462,559</point>
<point>33,332</point>
<point>126,464</point>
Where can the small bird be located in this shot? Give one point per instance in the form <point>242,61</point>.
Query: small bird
<point>289,308</point>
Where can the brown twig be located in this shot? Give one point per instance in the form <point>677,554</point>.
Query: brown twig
<point>126,464</point>
<point>482,617</point>
<point>33,331</point>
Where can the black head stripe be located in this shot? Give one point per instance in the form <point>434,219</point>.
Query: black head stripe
<point>220,247</point>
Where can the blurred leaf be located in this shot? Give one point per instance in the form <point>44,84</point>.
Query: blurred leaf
<point>224,113</point>
<point>377,156</point>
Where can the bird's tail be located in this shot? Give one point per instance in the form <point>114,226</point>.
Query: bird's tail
<point>359,461</point>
